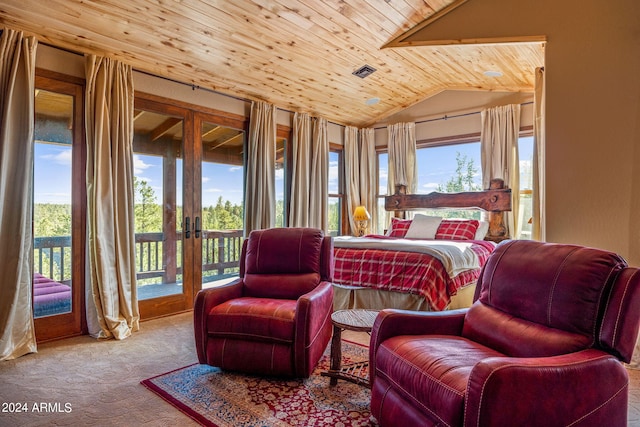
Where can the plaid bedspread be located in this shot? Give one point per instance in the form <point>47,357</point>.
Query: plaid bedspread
<point>405,272</point>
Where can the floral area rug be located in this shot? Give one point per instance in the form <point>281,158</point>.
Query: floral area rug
<point>221,399</point>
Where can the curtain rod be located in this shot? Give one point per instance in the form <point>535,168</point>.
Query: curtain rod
<point>194,87</point>
<point>446,117</point>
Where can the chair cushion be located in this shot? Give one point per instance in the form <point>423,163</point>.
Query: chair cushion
<point>287,286</point>
<point>282,262</point>
<point>253,319</point>
<point>279,251</point>
<point>431,371</point>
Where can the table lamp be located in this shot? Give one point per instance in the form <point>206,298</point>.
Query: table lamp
<point>361,217</point>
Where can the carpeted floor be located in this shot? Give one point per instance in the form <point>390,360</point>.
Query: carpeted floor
<point>81,381</point>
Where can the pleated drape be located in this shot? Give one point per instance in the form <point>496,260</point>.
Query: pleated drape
<point>260,198</point>
<point>360,173</point>
<point>499,155</point>
<point>538,216</point>
<point>402,160</point>
<point>310,175</point>
<point>110,197</point>
<point>369,175</point>
<point>319,188</point>
<point>17,86</point>
<point>352,173</point>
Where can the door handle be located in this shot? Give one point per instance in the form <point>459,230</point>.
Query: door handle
<point>187,227</point>
<point>198,230</point>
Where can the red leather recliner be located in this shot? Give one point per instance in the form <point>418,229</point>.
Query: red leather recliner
<point>275,319</point>
<point>540,346</point>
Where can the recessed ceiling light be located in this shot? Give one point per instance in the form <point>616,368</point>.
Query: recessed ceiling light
<point>372,101</point>
<point>491,73</point>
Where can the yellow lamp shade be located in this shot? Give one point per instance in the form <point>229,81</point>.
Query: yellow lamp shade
<point>361,214</point>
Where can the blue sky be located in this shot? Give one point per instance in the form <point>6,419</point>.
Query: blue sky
<point>53,172</point>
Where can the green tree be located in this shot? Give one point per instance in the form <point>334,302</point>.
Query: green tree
<point>51,220</point>
<point>148,214</point>
<point>462,180</point>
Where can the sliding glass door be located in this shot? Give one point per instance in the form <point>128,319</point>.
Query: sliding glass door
<point>189,180</point>
<point>221,200</point>
<point>58,209</point>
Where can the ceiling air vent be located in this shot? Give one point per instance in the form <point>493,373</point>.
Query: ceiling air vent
<point>364,71</point>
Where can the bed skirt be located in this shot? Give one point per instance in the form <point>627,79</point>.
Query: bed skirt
<point>348,297</point>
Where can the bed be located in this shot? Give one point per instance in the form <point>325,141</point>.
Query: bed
<point>50,297</point>
<point>426,263</point>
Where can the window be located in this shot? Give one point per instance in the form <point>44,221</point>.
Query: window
<point>383,173</point>
<point>454,168</point>
<point>281,156</point>
<point>450,169</point>
<point>335,193</point>
<point>59,206</point>
<point>52,194</point>
<point>525,152</point>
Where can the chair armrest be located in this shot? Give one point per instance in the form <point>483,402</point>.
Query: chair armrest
<point>392,322</point>
<point>206,299</point>
<point>312,311</point>
<point>588,387</point>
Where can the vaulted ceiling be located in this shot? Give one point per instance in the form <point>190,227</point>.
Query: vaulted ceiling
<point>298,55</point>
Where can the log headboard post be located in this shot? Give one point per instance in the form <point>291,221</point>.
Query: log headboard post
<point>401,189</point>
<point>497,228</point>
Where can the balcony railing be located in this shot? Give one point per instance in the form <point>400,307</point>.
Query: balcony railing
<point>158,260</point>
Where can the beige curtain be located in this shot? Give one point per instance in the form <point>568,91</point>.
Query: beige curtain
<point>402,160</point>
<point>110,198</point>
<point>301,174</point>
<point>309,182</point>
<point>402,157</point>
<point>538,217</point>
<point>369,175</point>
<point>319,187</point>
<point>260,197</point>
<point>360,172</point>
<point>17,86</point>
<point>352,173</point>
<point>499,155</point>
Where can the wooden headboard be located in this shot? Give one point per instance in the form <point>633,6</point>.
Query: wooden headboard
<point>495,200</point>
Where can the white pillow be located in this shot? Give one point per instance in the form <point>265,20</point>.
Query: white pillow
<point>482,230</point>
<point>423,227</point>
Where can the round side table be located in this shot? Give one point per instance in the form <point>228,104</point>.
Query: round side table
<point>359,320</point>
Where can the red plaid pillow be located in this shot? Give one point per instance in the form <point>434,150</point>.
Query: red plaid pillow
<point>451,229</point>
<point>399,227</point>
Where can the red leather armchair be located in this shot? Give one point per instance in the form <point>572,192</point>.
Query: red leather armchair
<point>276,318</point>
<point>542,345</point>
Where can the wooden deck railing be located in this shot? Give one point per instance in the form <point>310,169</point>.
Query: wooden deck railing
<point>52,257</point>
<point>155,256</point>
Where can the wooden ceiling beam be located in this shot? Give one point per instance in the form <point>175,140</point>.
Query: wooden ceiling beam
<point>164,127</point>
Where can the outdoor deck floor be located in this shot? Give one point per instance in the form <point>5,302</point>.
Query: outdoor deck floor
<point>164,289</point>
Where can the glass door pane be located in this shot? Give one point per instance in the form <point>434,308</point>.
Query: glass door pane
<point>222,201</point>
<point>59,195</point>
<point>158,156</point>
<point>52,219</point>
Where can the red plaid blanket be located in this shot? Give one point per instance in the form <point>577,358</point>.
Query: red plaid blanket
<point>406,272</point>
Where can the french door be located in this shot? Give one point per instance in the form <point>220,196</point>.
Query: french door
<point>184,236</point>
<point>58,208</point>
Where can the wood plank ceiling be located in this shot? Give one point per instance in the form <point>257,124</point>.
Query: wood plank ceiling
<point>298,55</point>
